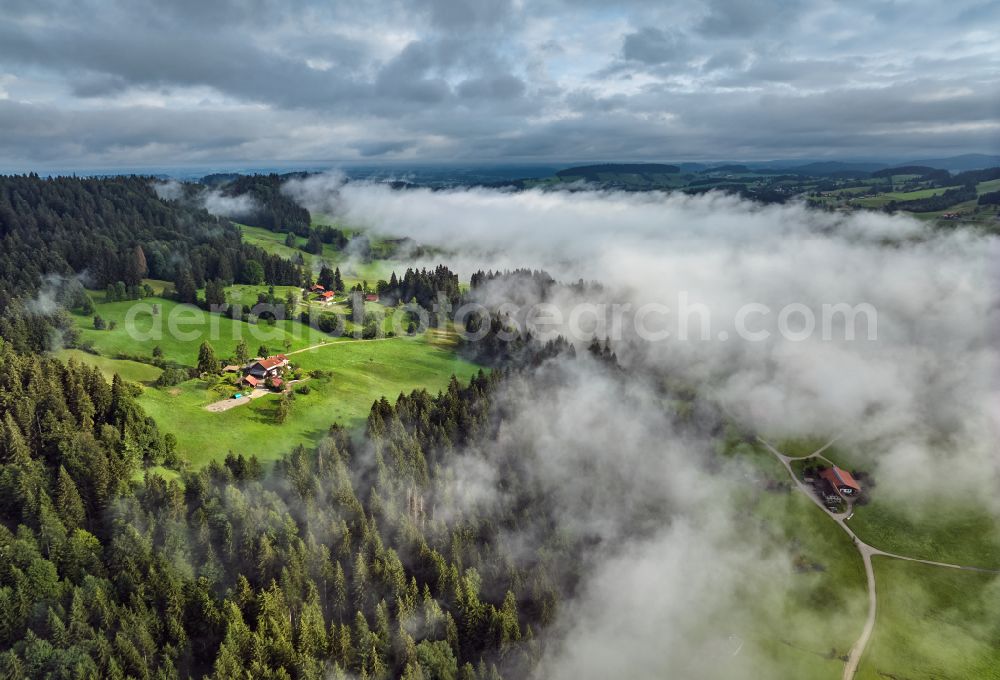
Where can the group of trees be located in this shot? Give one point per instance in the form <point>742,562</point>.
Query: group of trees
<point>990,198</point>
<point>319,236</point>
<point>120,291</point>
<point>923,173</point>
<point>262,268</point>
<point>330,279</point>
<point>270,208</point>
<point>421,286</point>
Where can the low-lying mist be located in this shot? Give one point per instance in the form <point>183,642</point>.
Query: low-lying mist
<point>912,395</point>
<point>212,200</point>
<point>914,392</point>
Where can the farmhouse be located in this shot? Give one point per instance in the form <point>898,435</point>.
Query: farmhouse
<point>271,367</point>
<point>842,482</point>
<point>316,288</point>
<point>326,297</point>
<point>371,297</point>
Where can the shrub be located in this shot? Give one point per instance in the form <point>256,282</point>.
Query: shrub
<point>171,377</point>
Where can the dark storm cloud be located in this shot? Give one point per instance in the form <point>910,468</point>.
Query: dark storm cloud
<point>747,17</point>
<point>91,81</point>
<point>652,46</point>
<point>371,149</point>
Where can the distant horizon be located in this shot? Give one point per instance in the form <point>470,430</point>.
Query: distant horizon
<point>182,170</point>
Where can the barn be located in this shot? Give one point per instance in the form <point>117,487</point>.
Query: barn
<point>842,481</point>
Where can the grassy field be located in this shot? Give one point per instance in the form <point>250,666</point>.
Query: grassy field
<point>986,187</point>
<point>138,331</point>
<point>931,531</point>
<point>933,624</point>
<point>246,294</point>
<point>883,199</point>
<point>805,623</point>
<point>362,372</point>
<point>353,270</point>
<point>797,448</point>
<point>132,371</point>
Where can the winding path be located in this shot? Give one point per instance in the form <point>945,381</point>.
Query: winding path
<point>334,343</point>
<point>866,551</point>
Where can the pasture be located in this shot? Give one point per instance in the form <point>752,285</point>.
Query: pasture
<point>359,372</point>
<point>933,623</point>
<point>352,269</point>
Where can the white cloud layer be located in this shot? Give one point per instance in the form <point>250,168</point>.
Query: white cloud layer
<point>918,403</point>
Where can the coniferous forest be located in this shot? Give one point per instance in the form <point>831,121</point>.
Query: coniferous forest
<point>320,568</point>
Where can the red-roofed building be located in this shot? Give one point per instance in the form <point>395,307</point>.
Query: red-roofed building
<point>326,297</point>
<point>842,481</point>
<point>276,383</point>
<point>316,288</point>
<point>371,297</point>
<point>262,369</point>
<point>252,381</point>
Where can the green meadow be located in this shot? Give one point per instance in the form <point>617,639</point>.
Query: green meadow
<point>821,609</point>
<point>133,371</point>
<point>178,330</point>
<point>362,371</point>
<point>929,529</point>
<point>358,372</point>
<point>352,270</point>
<point>933,623</point>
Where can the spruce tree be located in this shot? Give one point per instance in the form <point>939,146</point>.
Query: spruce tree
<point>242,353</point>
<point>207,363</point>
<point>69,505</point>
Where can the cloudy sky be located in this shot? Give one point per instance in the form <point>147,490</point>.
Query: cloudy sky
<point>136,82</point>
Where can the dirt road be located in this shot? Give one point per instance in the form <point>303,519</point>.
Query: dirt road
<point>226,404</point>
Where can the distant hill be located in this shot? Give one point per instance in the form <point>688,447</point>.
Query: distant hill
<point>815,168</point>
<point>732,169</point>
<point>905,170</point>
<point>836,168</point>
<point>595,172</point>
<point>219,178</point>
<point>969,161</point>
